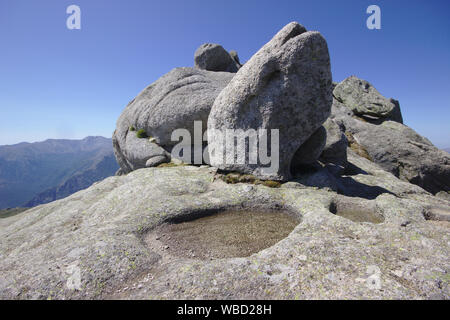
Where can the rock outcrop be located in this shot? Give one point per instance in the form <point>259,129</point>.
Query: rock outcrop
<point>286,86</point>
<point>213,57</point>
<point>174,101</point>
<point>365,101</point>
<point>395,147</point>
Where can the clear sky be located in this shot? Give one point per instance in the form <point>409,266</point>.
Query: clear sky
<point>61,83</point>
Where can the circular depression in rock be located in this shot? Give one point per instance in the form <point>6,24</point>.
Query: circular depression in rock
<point>226,234</point>
<point>362,211</point>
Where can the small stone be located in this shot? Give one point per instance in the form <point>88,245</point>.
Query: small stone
<point>155,161</point>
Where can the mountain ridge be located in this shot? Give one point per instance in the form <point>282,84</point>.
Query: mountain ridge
<point>29,170</point>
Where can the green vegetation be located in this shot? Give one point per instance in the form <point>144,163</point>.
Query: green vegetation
<point>141,134</point>
<point>132,128</point>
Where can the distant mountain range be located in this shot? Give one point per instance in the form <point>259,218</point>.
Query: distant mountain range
<point>447,149</point>
<point>41,172</point>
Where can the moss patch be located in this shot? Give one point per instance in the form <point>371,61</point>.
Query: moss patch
<point>171,164</point>
<point>271,183</point>
<point>141,134</point>
<point>235,177</point>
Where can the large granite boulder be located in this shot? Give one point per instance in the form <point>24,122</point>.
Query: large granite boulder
<point>174,101</point>
<point>213,57</point>
<point>365,101</point>
<point>286,85</point>
<point>397,149</point>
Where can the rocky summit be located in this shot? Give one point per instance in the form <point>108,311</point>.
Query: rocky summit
<point>359,207</point>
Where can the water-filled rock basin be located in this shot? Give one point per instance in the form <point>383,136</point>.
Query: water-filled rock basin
<point>226,234</point>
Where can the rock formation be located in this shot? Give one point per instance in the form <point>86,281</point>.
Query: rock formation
<point>394,146</point>
<point>285,86</point>
<point>365,101</point>
<point>360,189</point>
<point>174,101</point>
<point>213,57</point>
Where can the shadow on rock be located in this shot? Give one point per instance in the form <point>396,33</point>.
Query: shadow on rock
<point>351,188</point>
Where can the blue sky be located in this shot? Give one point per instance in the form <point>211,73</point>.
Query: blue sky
<point>60,83</point>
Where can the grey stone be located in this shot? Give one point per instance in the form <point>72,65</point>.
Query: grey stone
<point>213,57</point>
<point>438,213</point>
<point>365,101</point>
<point>157,160</point>
<point>400,150</point>
<point>443,195</point>
<point>286,85</point>
<point>133,153</point>
<point>174,101</point>
<point>235,57</point>
<point>335,150</point>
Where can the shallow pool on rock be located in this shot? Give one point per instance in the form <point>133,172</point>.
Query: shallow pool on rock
<point>362,211</point>
<point>227,234</point>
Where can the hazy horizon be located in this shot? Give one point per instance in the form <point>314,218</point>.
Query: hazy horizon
<point>71,139</point>
<point>69,84</point>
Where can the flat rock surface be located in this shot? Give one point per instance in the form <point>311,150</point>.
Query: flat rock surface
<point>94,244</point>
